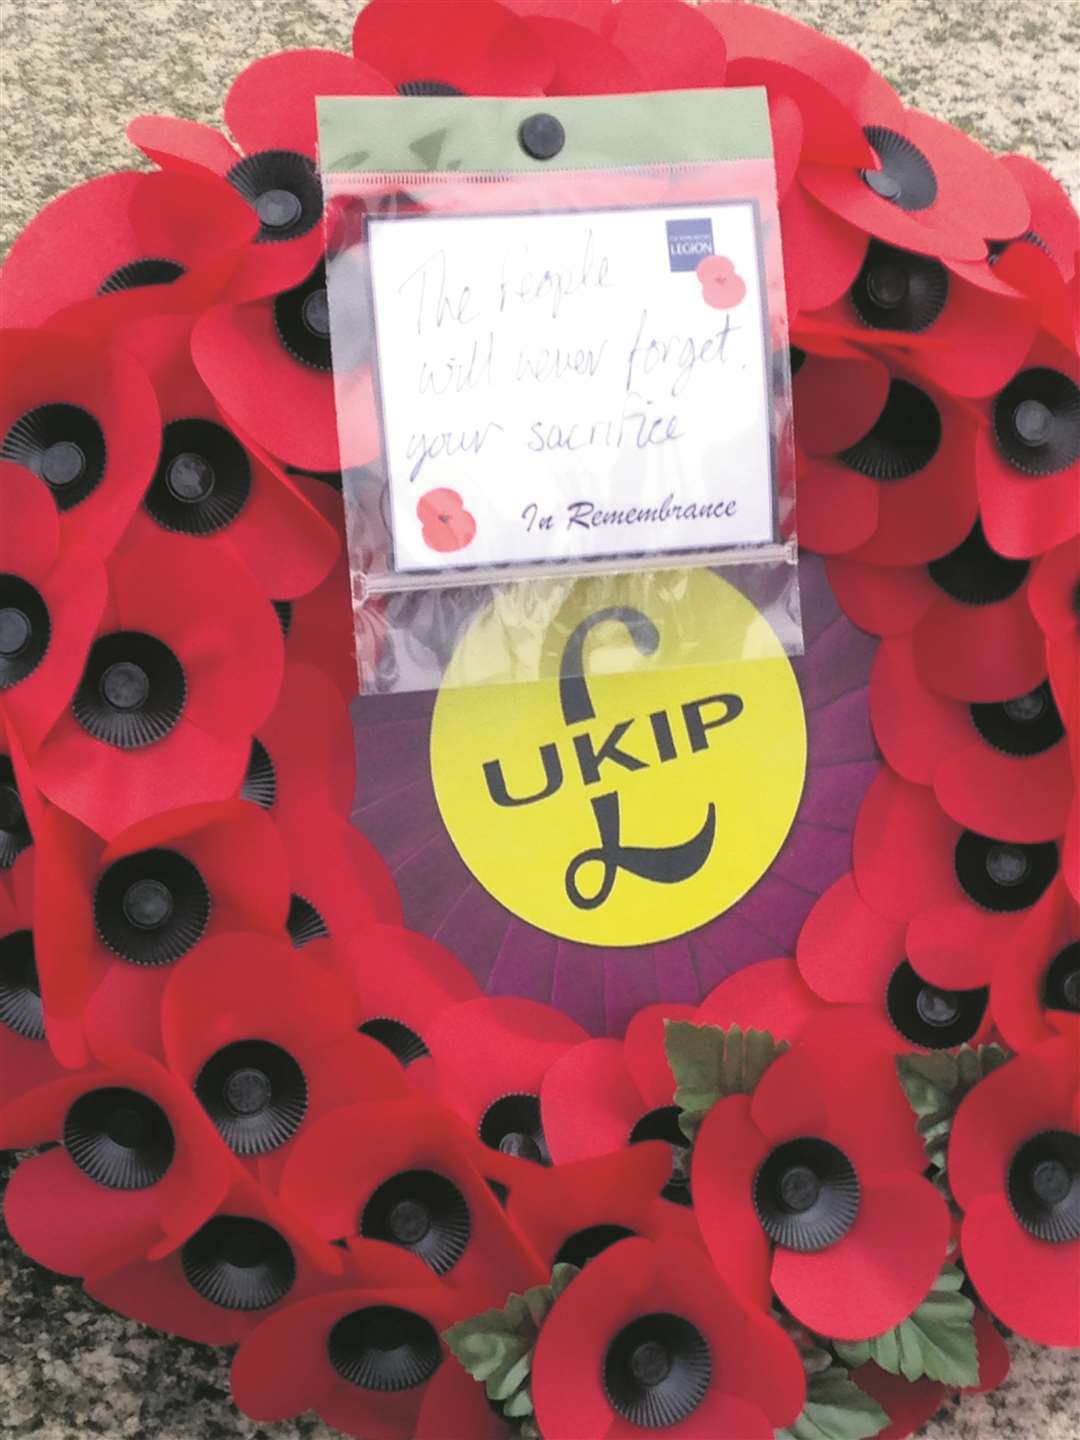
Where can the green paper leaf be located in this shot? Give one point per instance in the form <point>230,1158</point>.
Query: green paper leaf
<point>709,1063</point>
<point>836,1409</point>
<point>935,1084</point>
<point>937,1340</point>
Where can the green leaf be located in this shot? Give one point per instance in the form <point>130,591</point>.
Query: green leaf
<point>835,1409</point>
<point>937,1340</point>
<point>709,1063</point>
<point>935,1084</point>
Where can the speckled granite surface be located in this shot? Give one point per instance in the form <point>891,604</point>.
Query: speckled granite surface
<point>73,72</point>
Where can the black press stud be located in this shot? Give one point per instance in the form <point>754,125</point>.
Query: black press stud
<point>302,321</point>
<point>20,993</point>
<point>256,1095</point>
<point>1026,725</point>
<point>1061,983</point>
<point>1044,1186</point>
<point>423,1213</point>
<point>663,1124</point>
<point>431,88</point>
<point>239,1263</point>
<point>905,177</point>
<point>657,1371</point>
<point>151,907</point>
<point>119,1138</point>
<point>904,438</point>
<point>541,136</point>
<point>25,630</point>
<point>1002,876</point>
<point>304,923</point>
<point>260,778</point>
<point>976,575</point>
<point>933,1018</point>
<point>14,828</point>
<point>1037,421</point>
<point>806,1195</point>
<point>384,1348</point>
<point>64,445</point>
<point>898,290</point>
<point>404,1044</point>
<point>512,1125</point>
<point>202,480</point>
<point>284,190</point>
<point>137,274</point>
<point>585,1245</point>
<point>132,692</point>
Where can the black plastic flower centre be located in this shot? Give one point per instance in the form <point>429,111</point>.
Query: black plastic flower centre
<point>663,1124</point>
<point>284,611</point>
<point>132,692</point>
<point>1026,725</point>
<point>260,778</point>
<point>25,630</point>
<point>202,481</point>
<point>424,1213</point>
<point>806,1194</point>
<point>302,321</point>
<point>905,177</point>
<point>137,274</point>
<point>1061,983</point>
<point>427,87</point>
<point>898,290</point>
<point>304,923</point>
<point>239,1263</point>
<point>932,1018</point>
<point>384,1348</point>
<point>657,1371</point>
<point>1000,875</point>
<point>20,993</point>
<point>64,445</point>
<point>119,1138</point>
<point>284,190</point>
<point>1044,1186</point>
<point>1037,421</point>
<point>904,438</point>
<point>974,574</point>
<point>402,1042</point>
<point>151,907</point>
<point>512,1125</point>
<point>585,1245</point>
<point>14,827</point>
<point>796,359</point>
<point>256,1095</point>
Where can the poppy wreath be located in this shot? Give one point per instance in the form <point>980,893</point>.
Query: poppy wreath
<point>259,1110</point>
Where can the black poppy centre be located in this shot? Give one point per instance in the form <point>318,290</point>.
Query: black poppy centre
<point>1001,875</point>
<point>513,1126</point>
<point>239,1263</point>
<point>62,444</point>
<point>806,1194</point>
<point>283,189</point>
<point>422,1212</point>
<point>255,1093</point>
<point>119,1138</point>
<point>152,907</point>
<point>663,1124</point>
<point>657,1370</point>
<point>905,177</point>
<point>1044,1186</point>
<point>132,692</point>
<point>202,481</point>
<point>384,1348</point>
<point>930,1017</point>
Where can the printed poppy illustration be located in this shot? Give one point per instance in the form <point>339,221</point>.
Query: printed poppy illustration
<point>447,525</point>
<point>721,284</point>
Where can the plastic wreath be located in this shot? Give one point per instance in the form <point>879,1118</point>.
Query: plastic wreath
<point>269,1115</point>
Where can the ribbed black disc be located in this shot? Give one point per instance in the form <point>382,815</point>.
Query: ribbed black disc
<point>384,1348</point>
<point>905,178</point>
<point>239,1263</point>
<point>283,189</point>
<point>976,575</point>
<point>120,1138</point>
<point>14,828</point>
<point>404,1044</point>
<point>260,778</point>
<point>302,320</point>
<point>806,1195</point>
<point>663,1124</point>
<point>304,923</point>
<point>512,1125</point>
<point>284,611</point>
<point>151,907</point>
<point>935,1019</point>
<point>139,273</point>
<point>904,438</point>
<point>422,1212</point>
<point>898,290</point>
<point>427,87</point>
<point>256,1095</point>
<point>1061,983</point>
<point>20,993</point>
<point>584,1245</point>
<point>202,481</point>
<point>1002,876</point>
<point>25,630</point>
<point>132,692</point>
<point>657,1371</point>
<point>1027,725</point>
<point>64,445</point>
<point>1037,421</point>
<point>1044,1186</point>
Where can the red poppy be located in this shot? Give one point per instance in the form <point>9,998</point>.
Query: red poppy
<point>649,1337</point>
<point>245,1261</point>
<point>266,1042</point>
<point>50,601</point>
<point>1041,263</point>
<point>455,1407</point>
<point>1035,984</point>
<point>138,1169</point>
<point>815,1181</point>
<point>450,47</point>
<point>768,995</point>
<point>170,697</point>
<point>135,906</point>
<point>303,753</point>
<point>338,880</point>
<point>20,802</point>
<point>26,1062</point>
<point>1000,768</point>
<point>1014,1168</point>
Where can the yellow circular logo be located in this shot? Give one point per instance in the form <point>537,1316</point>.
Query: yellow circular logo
<point>619,760</point>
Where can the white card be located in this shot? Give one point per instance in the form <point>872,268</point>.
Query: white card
<point>574,385</point>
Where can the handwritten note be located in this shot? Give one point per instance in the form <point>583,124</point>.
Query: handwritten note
<point>572,385</point>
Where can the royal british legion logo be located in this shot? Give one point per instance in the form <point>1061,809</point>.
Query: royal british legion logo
<point>688,242</point>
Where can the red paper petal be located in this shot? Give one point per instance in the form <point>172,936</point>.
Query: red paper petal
<point>589,1102</point>
<point>1052,591</point>
<point>903,849</point>
<point>455,1407</point>
<point>1053,214</point>
<point>1026,799</point>
<point>308,737</point>
<point>674,45</point>
<point>822,253</point>
<point>885,602</point>
<point>908,1404</point>
<point>271,105</point>
<point>644,1052</point>
<point>479,47</point>
<point>1028,1284</point>
<point>584,62</point>
<point>916,728</point>
<point>847,951</point>
<point>980,652</point>
<point>729,1150</point>
<point>339,871</point>
<point>768,995</point>
<point>182,144</point>
<point>837,401</point>
<point>1025,515</point>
